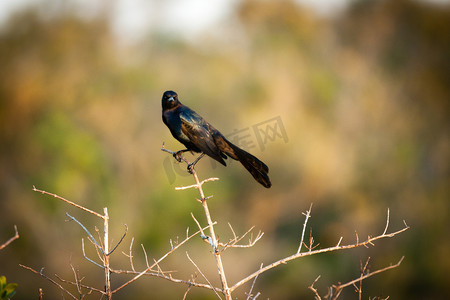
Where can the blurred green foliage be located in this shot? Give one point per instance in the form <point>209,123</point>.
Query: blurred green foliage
<point>7,291</point>
<point>363,95</point>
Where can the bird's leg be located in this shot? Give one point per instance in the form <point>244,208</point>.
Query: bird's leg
<point>191,166</point>
<point>177,155</point>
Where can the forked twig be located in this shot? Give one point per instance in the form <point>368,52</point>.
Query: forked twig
<point>15,237</point>
<point>335,290</point>
<point>51,280</point>
<point>341,286</point>
<point>338,247</point>
<point>201,273</point>
<point>214,243</point>
<point>249,296</point>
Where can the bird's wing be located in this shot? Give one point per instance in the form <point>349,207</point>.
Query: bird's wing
<point>197,130</point>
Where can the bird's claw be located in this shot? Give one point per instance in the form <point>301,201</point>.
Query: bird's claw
<point>190,168</point>
<point>177,155</point>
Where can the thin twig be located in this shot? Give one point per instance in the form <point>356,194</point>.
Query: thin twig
<point>249,296</point>
<point>341,286</point>
<point>199,227</point>
<point>233,243</point>
<point>387,222</point>
<point>90,288</point>
<point>70,202</point>
<point>15,237</point>
<point>51,280</point>
<point>138,275</point>
<point>87,231</point>
<point>169,278</point>
<point>146,257</point>
<point>369,241</point>
<point>87,258</point>
<point>201,273</point>
<point>120,241</point>
<point>307,216</point>
<point>131,254</point>
<point>187,291</point>
<point>312,288</point>
<point>196,185</point>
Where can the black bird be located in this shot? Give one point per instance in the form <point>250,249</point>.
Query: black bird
<point>197,135</point>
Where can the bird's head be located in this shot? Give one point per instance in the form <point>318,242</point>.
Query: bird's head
<point>169,99</point>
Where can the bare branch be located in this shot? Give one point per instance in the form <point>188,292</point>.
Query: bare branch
<point>87,258</point>
<point>120,241</point>
<point>187,291</point>
<point>203,235</point>
<point>201,273</point>
<point>312,288</point>
<point>387,222</point>
<point>146,257</point>
<point>307,216</point>
<point>249,296</point>
<point>196,185</point>
<point>90,288</point>
<point>169,278</point>
<point>369,241</point>
<point>69,202</point>
<point>341,286</point>
<point>87,231</point>
<point>77,282</point>
<point>138,275</point>
<point>15,237</point>
<point>51,280</point>
<point>106,252</point>
<point>130,255</point>
<point>233,243</point>
<point>214,243</point>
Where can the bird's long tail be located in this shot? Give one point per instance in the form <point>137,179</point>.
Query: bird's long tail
<point>257,168</point>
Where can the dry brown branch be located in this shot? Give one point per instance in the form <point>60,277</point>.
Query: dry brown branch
<point>187,291</point>
<point>307,216</point>
<point>370,274</point>
<point>249,295</point>
<point>101,245</point>
<point>196,185</point>
<point>120,241</point>
<point>312,248</point>
<point>49,279</point>
<point>314,290</point>
<point>201,273</point>
<point>87,258</point>
<point>91,237</point>
<point>150,267</point>
<point>130,255</point>
<point>15,237</point>
<point>233,243</point>
<point>365,243</point>
<point>77,281</point>
<point>335,290</point>
<point>90,288</point>
<point>69,202</point>
<point>214,243</point>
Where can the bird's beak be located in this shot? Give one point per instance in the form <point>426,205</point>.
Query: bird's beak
<point>171,99</point>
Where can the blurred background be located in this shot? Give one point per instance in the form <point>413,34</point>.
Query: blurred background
<point>347,102</point>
